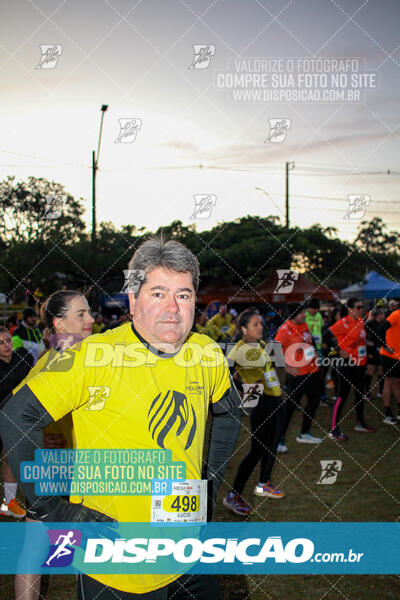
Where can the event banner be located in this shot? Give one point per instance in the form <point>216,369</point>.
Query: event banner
<point>250,548</point>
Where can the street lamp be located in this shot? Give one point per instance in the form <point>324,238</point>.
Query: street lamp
<point>95,162</point>
<point>288,167</point>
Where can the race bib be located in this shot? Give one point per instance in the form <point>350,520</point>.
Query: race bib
<point>317,339</point>
<point>309,353</point>
<point>271,378</point>
<point>186,504</point>
<point>252,393</point>
<point>362,351</point>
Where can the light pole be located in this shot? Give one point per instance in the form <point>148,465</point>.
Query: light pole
<point>95,162</point>
<point>288,167</point>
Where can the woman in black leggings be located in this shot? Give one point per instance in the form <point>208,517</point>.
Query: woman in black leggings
<point>327,342</point>
<point>350,337</point>
<point>257,380</point>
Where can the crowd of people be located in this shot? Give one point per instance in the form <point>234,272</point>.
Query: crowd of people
<point>339,350</point>
<point>326,356</point>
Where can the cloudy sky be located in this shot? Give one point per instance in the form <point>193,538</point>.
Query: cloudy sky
<point>136,56</point>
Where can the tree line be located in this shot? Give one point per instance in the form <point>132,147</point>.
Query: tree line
<point>52,252</point>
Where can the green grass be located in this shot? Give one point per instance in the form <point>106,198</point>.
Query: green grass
<point>367,489</point>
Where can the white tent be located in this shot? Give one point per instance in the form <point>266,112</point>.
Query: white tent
<point>357,289</point>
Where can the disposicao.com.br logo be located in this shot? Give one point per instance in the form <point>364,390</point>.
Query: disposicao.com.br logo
<point>211,551</point>
<point>161,547</point>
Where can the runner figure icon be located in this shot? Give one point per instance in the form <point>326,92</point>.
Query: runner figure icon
<point>286,281</point>
<point>62,549</point>
<point>330,471</point>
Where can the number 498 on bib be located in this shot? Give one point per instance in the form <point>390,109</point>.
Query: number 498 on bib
<point>186,504</point>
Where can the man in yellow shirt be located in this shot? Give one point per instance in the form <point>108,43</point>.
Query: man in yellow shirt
<point>206,328</point>
<point>223,321</point>
<point>145,385</point>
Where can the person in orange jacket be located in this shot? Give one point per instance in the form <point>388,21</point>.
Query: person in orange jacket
<point>302,372</point>
<point>390,357</point>
<point>350,336</point>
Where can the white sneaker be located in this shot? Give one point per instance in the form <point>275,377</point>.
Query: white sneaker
<point>307,438</point>
<point>389,420</point>
<point>281,449</point>
<point>12,509</point>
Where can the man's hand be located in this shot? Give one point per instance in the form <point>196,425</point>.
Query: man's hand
<point>54,440</point>
<point>343,354</point>
<point>57,509</point>
<point>292,371</point>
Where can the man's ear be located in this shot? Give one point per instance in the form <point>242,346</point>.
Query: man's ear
<point>132,301</point>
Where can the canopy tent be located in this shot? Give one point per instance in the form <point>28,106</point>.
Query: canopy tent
<point>220,289</point>
<point>379,287</point>
<point>356,290</point>
<point>280,289</point>
<point>270,290</point>
<point>120,300</point>
<point>374,286</point>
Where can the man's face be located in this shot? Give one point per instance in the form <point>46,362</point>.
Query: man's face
<point>31,321</point>
<point>163,312</point>
<point>313,311</point>
<point>357,310</point>
<point>5,345</point>
<point>300,318</point>
<point>222,310</point>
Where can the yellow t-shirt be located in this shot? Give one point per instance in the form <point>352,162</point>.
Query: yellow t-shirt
<point>224,324</point>
<point>64,425</point>
<point>209,329</point>
<point>253,364</point>
<point>115,387</point>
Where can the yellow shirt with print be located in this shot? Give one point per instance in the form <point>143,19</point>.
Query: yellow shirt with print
<point>253,364</point>
<point>62,426</point>
<point>132,383</point>
<point>224,324</point>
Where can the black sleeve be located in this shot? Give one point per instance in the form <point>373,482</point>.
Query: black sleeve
<point>22,419</point>
<point>329,339</point>
<point>26,359</point>
<point>383,330</point>
<point>225,428</point>
<point>236,379</point>
<point>16,371</point>
<point>376,332</point>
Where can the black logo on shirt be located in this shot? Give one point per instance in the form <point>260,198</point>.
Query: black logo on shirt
<point>167,409</point>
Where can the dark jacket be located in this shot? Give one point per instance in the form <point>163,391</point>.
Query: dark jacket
<point>29,338</point>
